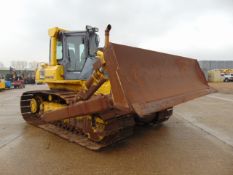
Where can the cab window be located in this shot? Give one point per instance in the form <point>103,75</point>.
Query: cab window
<point>59,50</point>
<point>76,53</point>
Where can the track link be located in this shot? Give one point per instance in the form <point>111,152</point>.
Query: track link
<point>118,126</point>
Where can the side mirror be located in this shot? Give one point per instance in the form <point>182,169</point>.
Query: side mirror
<point>91,29</point>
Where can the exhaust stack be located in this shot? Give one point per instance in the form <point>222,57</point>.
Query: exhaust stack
<point>107,30</point>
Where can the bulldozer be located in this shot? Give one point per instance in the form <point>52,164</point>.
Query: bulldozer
<point>97,95</point>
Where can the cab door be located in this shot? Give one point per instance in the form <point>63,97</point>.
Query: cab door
<point>78,66</point>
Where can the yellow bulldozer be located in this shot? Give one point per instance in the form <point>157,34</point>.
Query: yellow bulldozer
<point>97,95</point>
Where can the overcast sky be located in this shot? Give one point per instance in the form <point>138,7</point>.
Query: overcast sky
<point>201,29</point>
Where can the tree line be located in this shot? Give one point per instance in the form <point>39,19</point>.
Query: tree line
<point>22,65</point>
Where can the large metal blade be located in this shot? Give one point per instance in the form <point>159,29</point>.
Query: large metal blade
<point>145,81</point>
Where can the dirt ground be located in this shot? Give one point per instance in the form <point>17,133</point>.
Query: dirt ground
<point>197,140</point>
<point>223,87</point>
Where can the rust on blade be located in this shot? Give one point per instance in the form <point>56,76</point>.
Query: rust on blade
<point>145,81</point>
<point>96,104</point>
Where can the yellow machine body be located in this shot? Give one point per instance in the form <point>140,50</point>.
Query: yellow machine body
<point>53,74</point>
<point>2,84</point>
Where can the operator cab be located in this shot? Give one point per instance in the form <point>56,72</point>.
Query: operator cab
<point>76,51</point>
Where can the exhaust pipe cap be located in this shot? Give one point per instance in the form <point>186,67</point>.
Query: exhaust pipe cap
<point>108,28</point>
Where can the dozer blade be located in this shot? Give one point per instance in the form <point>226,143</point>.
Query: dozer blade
<point>146,82</point>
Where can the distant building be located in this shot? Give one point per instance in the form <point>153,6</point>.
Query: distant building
<point>216,64</point>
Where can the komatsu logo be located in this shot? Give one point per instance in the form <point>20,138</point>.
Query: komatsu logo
<point>49,77</point>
